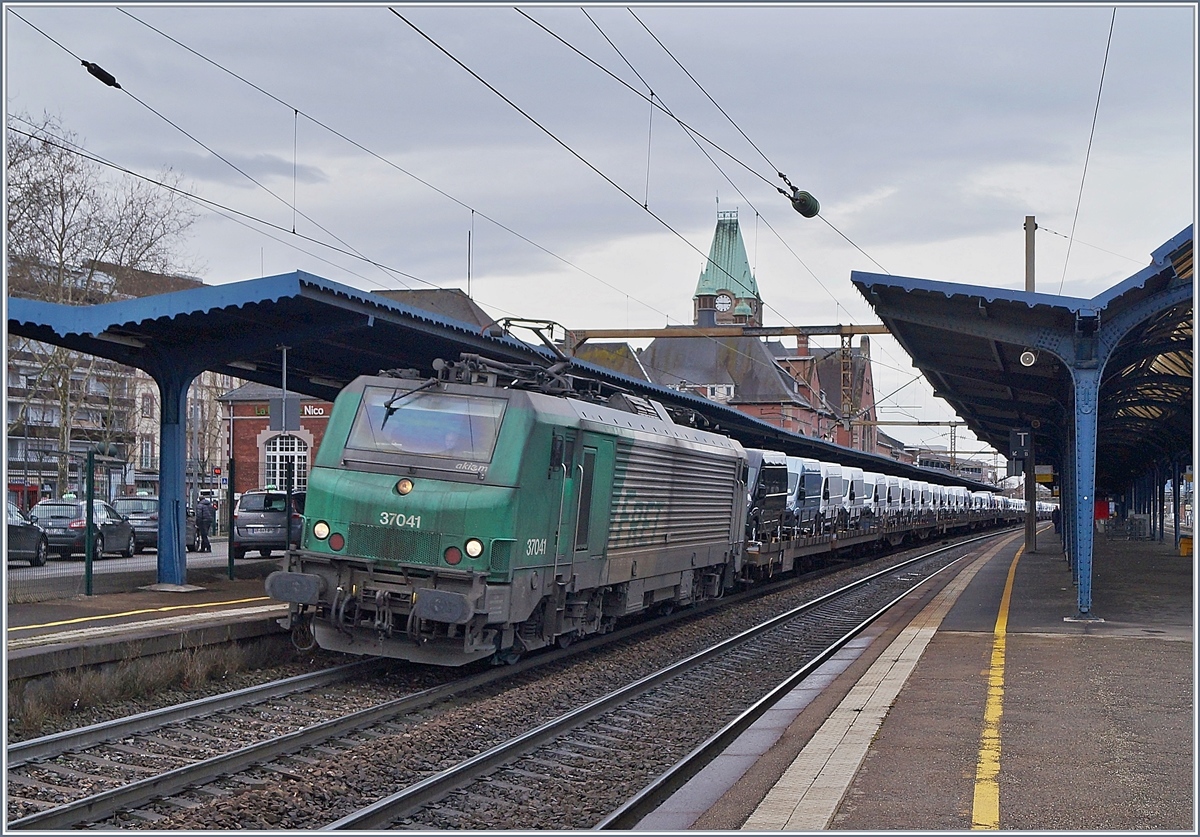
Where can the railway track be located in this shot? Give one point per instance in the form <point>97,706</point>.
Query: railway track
<point>574,770</point>
<point>205,770</point>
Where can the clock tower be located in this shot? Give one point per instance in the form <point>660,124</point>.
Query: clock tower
<point>727,292</point>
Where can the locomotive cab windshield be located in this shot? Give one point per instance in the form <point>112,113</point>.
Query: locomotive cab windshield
<point>427,423</point>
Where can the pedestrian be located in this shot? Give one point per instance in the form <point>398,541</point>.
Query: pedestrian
<point>1056,517</point>
<point>205,515</point>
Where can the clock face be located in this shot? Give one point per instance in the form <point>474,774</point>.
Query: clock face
<point>724,302</point>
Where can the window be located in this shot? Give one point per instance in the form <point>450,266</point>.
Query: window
<point>584,523</point>
<point>392,420</point>
<point>147,405</point>
<point>282,451</point>
<point>146,459</point>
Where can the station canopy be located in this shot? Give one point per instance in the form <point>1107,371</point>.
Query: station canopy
<point>997,357</point>
<point>334,333</point>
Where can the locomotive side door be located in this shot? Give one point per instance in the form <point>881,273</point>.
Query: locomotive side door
<point>587,496</point>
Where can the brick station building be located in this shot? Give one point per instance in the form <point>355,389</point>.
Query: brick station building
<point>259,454</point>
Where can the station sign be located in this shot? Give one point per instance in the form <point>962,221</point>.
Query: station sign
<point>1020,440</point>
<point>284,415</point>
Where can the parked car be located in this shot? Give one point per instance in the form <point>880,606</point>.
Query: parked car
<point>142,512</point>
<point>65,522</point>
<point>26,540</point>
<point>263,522</point>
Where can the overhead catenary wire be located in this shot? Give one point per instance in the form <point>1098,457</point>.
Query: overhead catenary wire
<point>1088,154</point>
<point>109,80</point>
<point>361,147</point>
<point>725,113</point>
<point>738,127</point>
<point>555,137</point>
<point>688,73</point>
<point>474,210</point>
<point>692,134</point>
<point>1042,228</point>
<point>687,128</point>
<point>296,114</point>
<point>341,135</point>
<point>230,214</point>
<point>233,214</point>
<point>296,111</point>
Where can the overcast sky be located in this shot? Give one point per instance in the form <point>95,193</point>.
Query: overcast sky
<point>926,133</point>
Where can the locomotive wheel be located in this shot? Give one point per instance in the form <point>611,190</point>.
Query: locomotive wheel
<point>507,657</point>
<point>564,640</point>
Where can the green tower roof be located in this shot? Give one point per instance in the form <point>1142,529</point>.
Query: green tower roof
<point>727,267</point>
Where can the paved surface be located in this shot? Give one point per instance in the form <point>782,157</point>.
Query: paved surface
<point>1095,732</point>
<point>141,617</point>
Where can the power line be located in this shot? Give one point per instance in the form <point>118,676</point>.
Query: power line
<point>1042,228</point>
<point>567,147</point>
<point>692,134</point>
<point>557,139</point>
<point>108,79</point>
<point>473,210</point>
<point>296,113</point>
<point>65,145</point>
<point>1087,155</point>
<point>702,90</point>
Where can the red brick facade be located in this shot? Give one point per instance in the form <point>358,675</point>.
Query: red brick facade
<point>255,448</point>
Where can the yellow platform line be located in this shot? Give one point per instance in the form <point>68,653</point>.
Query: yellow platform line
<point>808,794</point>
<point>163,609</point>
<point>985,810</point>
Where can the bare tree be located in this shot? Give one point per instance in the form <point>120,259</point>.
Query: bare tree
<point>70,223</point>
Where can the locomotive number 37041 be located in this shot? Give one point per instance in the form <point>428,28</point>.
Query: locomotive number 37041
<point>410,521</point>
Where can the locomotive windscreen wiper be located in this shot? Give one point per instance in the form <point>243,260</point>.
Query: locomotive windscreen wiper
<point>390,406</point>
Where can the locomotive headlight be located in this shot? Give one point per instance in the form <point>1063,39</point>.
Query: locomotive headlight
<point>320,530</point>
<point>404,486</point>
<point>474,547</point>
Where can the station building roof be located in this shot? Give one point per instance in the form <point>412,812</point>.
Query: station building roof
<point>1003,358</point>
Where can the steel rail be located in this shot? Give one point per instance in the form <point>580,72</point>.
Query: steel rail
<point>98,806</point>
<point>89,809</point>
<point>650,797</point>
<point>55,744</point>
<point>422,793</point>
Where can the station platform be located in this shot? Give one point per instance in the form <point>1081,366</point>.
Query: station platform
<point>945,717</point>
<point>980,709</point>
<point>49,636</point>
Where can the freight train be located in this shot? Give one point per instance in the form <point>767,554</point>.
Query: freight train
<point>494,509</point>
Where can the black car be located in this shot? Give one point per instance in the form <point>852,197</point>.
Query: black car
<point>65,522</point>
<point>142,512</point>
<point>26,540</point>
<point>263,522</point>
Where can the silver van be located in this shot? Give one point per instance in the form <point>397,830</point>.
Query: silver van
<point>263,521</point>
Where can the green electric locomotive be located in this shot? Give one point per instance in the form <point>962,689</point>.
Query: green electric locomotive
<point>492,510</point>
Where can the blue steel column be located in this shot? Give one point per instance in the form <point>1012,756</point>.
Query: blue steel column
<point>172,466</point>
<point>1068,499</point>
<point>1160,474</point>
<point>1087,389</point>
<point>1175,492</point>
